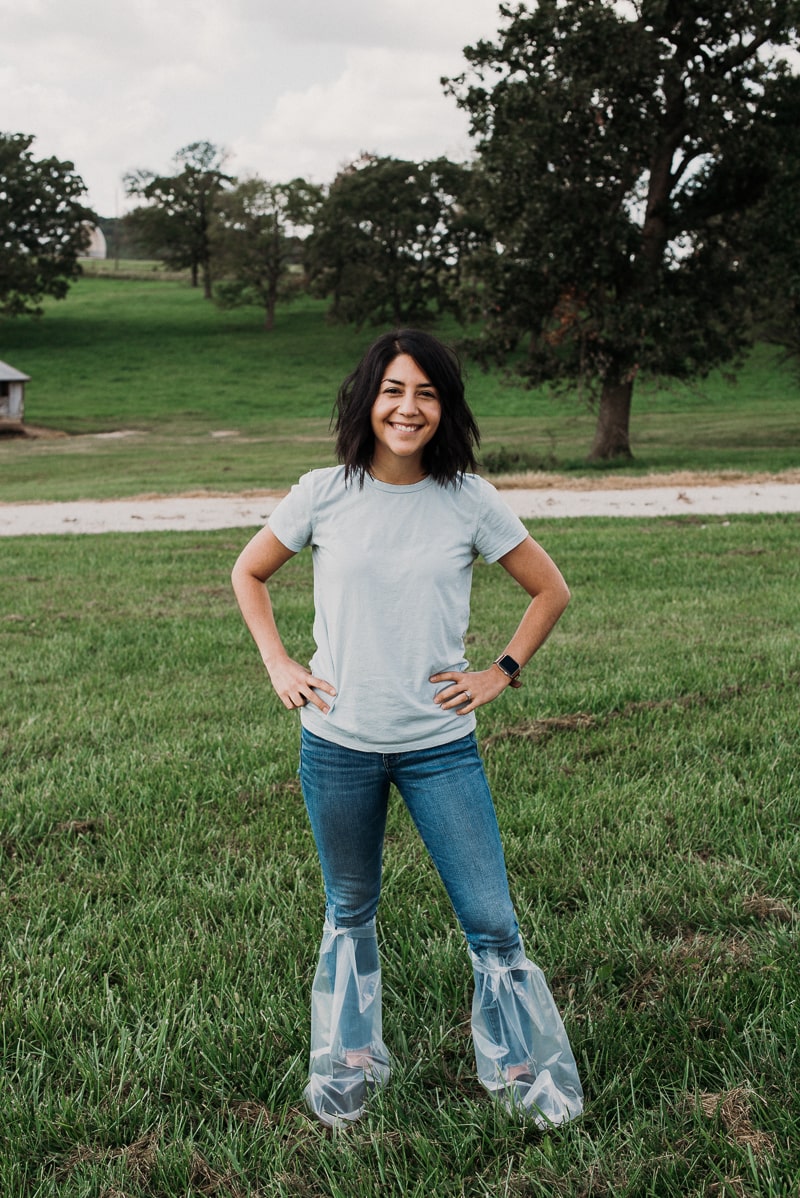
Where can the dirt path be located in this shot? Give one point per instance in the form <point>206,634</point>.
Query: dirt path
<point>544,497</point>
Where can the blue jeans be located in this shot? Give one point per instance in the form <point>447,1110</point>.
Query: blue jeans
<point>446,792</point>
<point>515,1023</point>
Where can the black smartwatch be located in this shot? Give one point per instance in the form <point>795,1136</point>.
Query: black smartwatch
<point>510,667</point>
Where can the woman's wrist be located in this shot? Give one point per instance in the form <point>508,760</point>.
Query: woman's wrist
<point>509,666</point>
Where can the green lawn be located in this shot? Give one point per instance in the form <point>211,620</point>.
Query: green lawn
<point>151,358</point>
<point>161,903</point>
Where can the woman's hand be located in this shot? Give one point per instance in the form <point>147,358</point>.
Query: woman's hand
<point>296,686</point>
<point>469,690</point>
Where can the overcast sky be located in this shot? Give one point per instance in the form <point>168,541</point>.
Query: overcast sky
<point>289,87</point>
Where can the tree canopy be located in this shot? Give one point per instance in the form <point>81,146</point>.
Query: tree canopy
<point>618,147</point>
<point>389,240</point>
<point>176,221</point>
<point>255,238</point>
<point>772,235</point>
<point>44,226</point>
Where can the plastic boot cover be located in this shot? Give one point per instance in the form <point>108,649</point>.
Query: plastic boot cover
<point>516,1026</point>
<point>348,1056</point>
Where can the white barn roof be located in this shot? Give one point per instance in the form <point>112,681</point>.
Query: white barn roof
<point>9,375</point>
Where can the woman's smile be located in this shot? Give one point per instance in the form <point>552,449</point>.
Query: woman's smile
<point>405,428</point>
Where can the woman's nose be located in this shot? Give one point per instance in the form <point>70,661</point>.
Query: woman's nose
<point>408,404</point>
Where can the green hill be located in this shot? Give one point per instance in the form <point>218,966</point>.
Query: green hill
<point>158,390</point>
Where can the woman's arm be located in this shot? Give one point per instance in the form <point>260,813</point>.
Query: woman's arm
<point>537,573</point>
<point>257,562</point>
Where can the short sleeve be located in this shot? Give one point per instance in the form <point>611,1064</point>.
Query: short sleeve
<point>291,521</point>
<point>499,530</point>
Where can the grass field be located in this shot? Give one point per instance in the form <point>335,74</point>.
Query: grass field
<point>207,400</point>
<point>161,904</point>
<point>160,900</point>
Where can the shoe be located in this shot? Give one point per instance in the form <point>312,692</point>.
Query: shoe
<point>513,1093</point>
<point>341,1099</point>
<point>523,1079</point>
<point>337,1106</point>
<point>535,1098</point>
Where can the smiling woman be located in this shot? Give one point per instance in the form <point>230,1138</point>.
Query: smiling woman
<point>389,698</point>
<point>403,411</point>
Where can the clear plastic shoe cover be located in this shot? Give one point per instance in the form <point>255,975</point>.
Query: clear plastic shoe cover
<point>348,1056</point>
<point>522,1051</point>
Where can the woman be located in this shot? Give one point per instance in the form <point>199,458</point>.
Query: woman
<point>389,698</point>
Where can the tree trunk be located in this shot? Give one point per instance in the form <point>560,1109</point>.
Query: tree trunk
<point>612,436</point>
<point>207,280</point>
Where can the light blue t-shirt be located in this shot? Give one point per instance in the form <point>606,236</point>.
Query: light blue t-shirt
<point>392,579</point>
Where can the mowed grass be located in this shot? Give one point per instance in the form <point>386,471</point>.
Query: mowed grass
<point>161,902</point>
<point>208,401</point>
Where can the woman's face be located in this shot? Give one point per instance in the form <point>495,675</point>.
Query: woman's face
<point>405,417</point>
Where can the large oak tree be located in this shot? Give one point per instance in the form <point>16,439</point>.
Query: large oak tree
<point>772,231</point>
<point>618,146</point>
<point>44,226</point>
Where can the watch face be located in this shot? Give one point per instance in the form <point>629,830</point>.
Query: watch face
<point>508,665</point>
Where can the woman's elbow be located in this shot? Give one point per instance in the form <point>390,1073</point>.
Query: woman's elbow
<point>239,573</point>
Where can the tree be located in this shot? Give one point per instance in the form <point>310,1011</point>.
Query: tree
<point>44,227</point>
<point>256,237</point>
<point>389,239</point>
<point>618,146</point>
<point>772,235</point>
<point>176,221</point>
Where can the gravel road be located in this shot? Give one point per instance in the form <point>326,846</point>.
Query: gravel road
<point>194,512</point>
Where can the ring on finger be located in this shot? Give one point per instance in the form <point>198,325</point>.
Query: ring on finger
<point>468,696</point>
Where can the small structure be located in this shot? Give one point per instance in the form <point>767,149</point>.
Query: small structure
<point>97,247</point>
<point>12,396</point>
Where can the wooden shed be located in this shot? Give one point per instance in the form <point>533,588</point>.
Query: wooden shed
<point>12,395</point>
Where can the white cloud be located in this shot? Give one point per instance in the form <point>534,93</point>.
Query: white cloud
<point>292,88</point>
<point>384,101</point>
<point>422,26</point>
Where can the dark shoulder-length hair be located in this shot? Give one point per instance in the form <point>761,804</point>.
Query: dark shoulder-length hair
<point>451,451</point>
